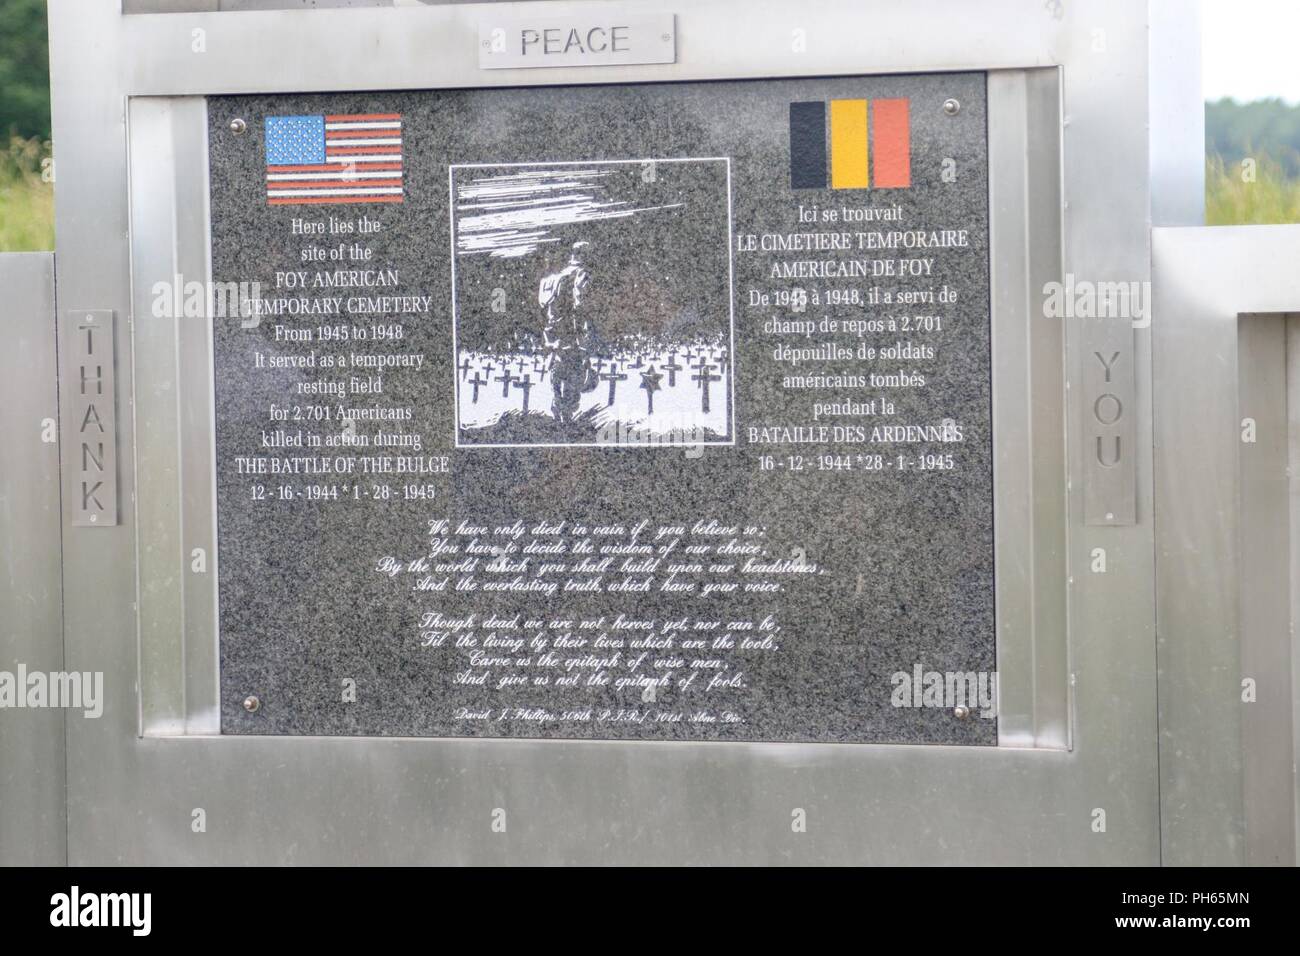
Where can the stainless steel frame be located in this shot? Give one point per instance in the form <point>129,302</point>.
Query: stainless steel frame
<point>1078,646</point>
<point>1028,410</point>
<point>173,396</point>
<point>174,417</point>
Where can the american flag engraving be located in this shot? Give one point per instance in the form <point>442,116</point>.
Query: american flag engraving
<point>342,158</point>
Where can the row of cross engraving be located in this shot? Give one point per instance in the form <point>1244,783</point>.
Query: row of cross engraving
<point>520,371</point>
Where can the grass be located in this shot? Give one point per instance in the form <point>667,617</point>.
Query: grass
<point>26,198</point>
<point>1231,199</point>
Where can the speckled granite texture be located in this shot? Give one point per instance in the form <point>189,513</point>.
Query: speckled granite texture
<point>906,557</point>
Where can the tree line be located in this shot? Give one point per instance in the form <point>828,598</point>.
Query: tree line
<point>1262,130</point>
<point>24,70</point>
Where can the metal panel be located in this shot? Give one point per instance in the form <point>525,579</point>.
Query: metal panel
<point>93,415</point>
<point>331,800</point>
<point>1264,604</point>
<point>1293,461</point>
<point>205,6</point>
<point>521,43</point>
<point>1108,384</point>
<point>1204,280</point>
<point>33,815</point>
<point>234,6</point>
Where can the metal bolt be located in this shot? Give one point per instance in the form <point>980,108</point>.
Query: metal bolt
<point>951,107</point>
<point>666,37</point>
<point>251,704</point>
<point>961,713</point>
<point>238,126</point>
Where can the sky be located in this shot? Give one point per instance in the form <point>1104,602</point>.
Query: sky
<point>1249,49</point>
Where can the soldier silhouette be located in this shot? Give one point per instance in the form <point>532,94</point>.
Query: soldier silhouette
<point>568,333</point>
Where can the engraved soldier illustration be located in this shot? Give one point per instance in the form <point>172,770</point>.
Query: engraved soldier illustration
<point>568,333</point>
<point>592,304</point>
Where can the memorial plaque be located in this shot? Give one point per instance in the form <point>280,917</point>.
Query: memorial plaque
<point>650,412</point>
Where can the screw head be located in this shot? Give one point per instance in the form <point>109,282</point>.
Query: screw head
<point>251,704</point>
<point>961,713</point>
<point>951,107</point>
<point>238,126</point>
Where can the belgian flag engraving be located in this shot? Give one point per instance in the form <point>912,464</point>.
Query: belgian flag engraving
<point>891,131</point>
<point>807,145</point>
<point>855,159</point>
<point>848,144</point>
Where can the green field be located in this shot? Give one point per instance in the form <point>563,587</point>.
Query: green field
<point>1232,199</point>
<point>27,198</point>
